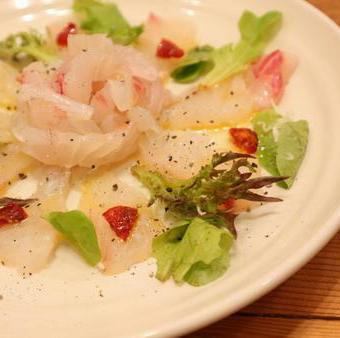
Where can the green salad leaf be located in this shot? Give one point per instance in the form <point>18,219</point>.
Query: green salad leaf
<point>104,17</point>
<point>281,155</point>
<point>79,230</point>
<point>218,64</point>
<point>21,49</point>
<point>197,63</point>
<point>291,148</point>
<point>196,253</point>
<point>256,33</point>
<point>264,123</point>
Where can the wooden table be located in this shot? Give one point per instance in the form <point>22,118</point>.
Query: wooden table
<point>308,304</point>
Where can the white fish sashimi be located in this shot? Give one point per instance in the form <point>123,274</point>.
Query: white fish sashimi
<point>179,30</point>
<point>223,105</point>
<point>105,191</point>
<point>8,85</point>
<point>78,114</point>
<point>181,154</point>
<point>69,149</point>
<point>236,100</point>
<point>13,162</point>
<point>28,246</point>
<point>72,108</point>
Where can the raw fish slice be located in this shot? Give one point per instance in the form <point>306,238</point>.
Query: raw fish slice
<point>181,154</point>
<point>180,31</point>
<point>235,100</point>
<point>28,246</point>
<point>113,188</point>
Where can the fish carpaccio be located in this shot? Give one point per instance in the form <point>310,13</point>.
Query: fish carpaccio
<point>88,116</point>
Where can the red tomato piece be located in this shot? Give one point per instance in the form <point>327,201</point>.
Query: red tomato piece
<point>245,139</point>
<point>167,49</point>
<point>121,219</point>
<point>12,213</point>
<point>227,205</point>
<point>70,28</point>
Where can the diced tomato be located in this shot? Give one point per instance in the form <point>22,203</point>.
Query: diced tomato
<point>167,49</point>
<point>269,70</point>
<point>245,139</point>
<point>122,220</point>
<point>12,213</point>
<point>227,205</point>
<point>70,28</point>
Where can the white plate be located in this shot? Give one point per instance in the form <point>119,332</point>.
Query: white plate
<point>64,300</point>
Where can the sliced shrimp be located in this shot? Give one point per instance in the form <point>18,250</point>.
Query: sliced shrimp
<point>236,100</point>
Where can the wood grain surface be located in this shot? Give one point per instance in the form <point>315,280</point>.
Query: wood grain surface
<point>308,304</point>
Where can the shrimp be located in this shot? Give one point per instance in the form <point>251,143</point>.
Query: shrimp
<point>236,100</point>
<point>85,104</point>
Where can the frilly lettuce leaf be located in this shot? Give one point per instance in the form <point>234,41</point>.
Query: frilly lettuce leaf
<point>256,32</point>
<point>104,17</point>
<point>196,253</point>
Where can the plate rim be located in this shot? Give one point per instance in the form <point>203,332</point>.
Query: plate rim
<point>219,310</point>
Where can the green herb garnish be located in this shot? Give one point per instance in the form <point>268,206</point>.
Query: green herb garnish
<point>197,250</point>
<point>104,17</point>
<point>80,231</point>
<point>219,64</point>
<point>23,48</point>
<point>281,155</point>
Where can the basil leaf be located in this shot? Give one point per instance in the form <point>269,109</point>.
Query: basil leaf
<point>79,230</point>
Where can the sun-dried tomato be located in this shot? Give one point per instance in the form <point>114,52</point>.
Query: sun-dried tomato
<point>70,28</point>
<point>122,220</point>
<point>245,139</point>
<point>12,213</point>
<point>167,49</point>
<point>227,205</point>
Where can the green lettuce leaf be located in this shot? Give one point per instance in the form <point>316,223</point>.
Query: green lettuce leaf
<point>283,155</point>
<point>220,63</point>
<point>79,230</point>
<point>104,17</point>
<point>264,123</point>
<point>196,253</point>
<point>21,49</point>
<point>197,63</point>
<point>291,147</point>
<point>256,33</point>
